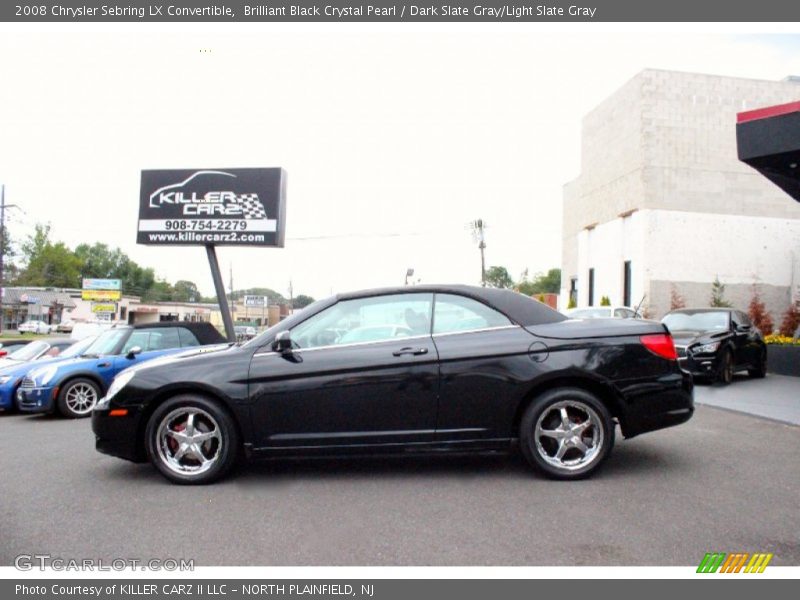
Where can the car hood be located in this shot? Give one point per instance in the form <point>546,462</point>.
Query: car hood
<point>689,337</point>
<point>573,329</point>
<point>184,355</point>
<point>20,368</point>
<point>9,362</point>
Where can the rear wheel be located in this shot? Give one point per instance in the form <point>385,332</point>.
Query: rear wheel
<point>725,373</point>
<point>566,433</point>
<point>78,397</point>
<point>191,440</point>
<point>759,370</point>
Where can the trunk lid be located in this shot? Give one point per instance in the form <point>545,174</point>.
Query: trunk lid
<point>575,329</point>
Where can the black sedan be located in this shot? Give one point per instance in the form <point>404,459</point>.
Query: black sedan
<point>434,369</point>
<point>714,343</point>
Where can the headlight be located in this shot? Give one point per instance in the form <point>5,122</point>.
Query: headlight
<point>706,348</point>
<point>5,379</point>
<point>120,381</point>
<point>43,375</point>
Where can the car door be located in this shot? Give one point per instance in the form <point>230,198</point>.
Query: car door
<point>484,368</point>
<point>328,391</point>
<point>745,339</point>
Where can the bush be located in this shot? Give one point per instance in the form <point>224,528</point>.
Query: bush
<point>781,340</point>
<point>759,315</point>
<point>676,301</point>
<point>572,303</point>
<point>605,301</point>
<point>791,321</point>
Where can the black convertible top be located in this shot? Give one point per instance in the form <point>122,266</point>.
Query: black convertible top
<point>521,309</point>
<point>205,333</point>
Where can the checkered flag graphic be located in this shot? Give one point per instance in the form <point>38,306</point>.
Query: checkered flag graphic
<point>252,207</point>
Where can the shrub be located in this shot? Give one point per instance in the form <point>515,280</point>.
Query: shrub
<point>791,321</point>
<point>781,340</point>
<point>718,295</point>
<point>759,315</point>
<point>572,303</point>
<point>676,301</point>
<point>605,301</point>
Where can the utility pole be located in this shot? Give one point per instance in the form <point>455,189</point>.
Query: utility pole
<point>3,245</point>
<point>233,300</point>
<point>478,227</point>
<point>291,298</point>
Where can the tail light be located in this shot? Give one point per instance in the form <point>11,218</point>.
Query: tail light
<point>660,344</point>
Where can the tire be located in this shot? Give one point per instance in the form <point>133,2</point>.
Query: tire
<point>726,369</point>
<point>759,371</point>
<point>546,413</point>
<point>78,397</point>
<point>171,450</point>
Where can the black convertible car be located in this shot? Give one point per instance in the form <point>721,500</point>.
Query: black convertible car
<point>716,342</point>
<point>420,369</point>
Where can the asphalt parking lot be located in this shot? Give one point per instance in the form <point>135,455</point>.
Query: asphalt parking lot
<point>724,481</point>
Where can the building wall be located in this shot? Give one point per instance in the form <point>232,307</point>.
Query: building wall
<point>664,146</point>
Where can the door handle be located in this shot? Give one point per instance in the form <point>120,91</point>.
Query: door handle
<point>104,364</point>
<point>412,351</point>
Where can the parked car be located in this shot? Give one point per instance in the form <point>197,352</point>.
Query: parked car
<point>65,326</point>
<point>34,327</point>
<point>599,312</point>
<point>35,350</point>
<point>72,387</point>
<point>520,371</point>
<point>11,376</point>
<point>8,347</point>
<point>716,342</point>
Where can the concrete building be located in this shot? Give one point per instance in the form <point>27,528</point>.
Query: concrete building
<point>662,203</point>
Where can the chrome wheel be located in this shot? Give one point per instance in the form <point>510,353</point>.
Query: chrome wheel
<point>189,441</point>
<point>569,435</point>
<point>80,398</point>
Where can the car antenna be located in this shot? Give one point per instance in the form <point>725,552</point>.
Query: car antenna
<point>638,306</point>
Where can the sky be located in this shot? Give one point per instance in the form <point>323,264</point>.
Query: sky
<point>393,141</point>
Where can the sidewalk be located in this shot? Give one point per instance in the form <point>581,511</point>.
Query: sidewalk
<point>777,397</point>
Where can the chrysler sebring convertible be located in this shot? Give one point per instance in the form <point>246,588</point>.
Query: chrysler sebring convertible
<point>445,368</point>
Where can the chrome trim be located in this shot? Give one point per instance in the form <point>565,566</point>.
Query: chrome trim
<point>477,330</point>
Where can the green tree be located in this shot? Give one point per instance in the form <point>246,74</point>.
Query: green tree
<point>48,264</point>
<point>542,283</point>
<point>498,277</point>
<point>301,301</point>
<point>185,291</point>
<point>718,295</point>
<point>605,301</point>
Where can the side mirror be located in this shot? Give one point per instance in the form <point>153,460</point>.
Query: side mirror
<point>283,342</point>
<point>743,328</point>
<point>133,352</point>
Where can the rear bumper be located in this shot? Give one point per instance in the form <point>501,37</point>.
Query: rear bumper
<point>650,406</point>
<point>118,435</point>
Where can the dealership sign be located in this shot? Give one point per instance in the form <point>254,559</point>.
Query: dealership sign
<point>256,301</point>
<point>103,308</point>
<point>101,295</point>
<point>102,284</point>
<point>213,207</point>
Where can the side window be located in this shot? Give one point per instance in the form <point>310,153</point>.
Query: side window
<point>366,320</point>
<point>141,338</point>
<point>187,337</point>
<point>745,319</point>
<point>457,313</point>
<point>164,338</point>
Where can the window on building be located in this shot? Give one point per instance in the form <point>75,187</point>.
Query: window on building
<point>573,290</point>
<point>626,283</point>
<point>590,301</point>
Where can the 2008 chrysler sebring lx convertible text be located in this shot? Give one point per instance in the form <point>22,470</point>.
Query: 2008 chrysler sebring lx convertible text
<point>426,368</point>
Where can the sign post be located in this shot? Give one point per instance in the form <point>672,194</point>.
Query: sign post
<point>213,207</point>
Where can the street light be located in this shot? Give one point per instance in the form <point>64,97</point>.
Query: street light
<point>409,273</point>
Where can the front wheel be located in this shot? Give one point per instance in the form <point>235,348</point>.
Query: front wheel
<point>725,373</point>
<point>78,397</point>
<point>191,440</point>
<point>566,433</point>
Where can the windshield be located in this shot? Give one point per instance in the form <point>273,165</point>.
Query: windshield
<point>77,348</point>
<point>701,321</point>
<point>29,351</point>
<point>107,342</point>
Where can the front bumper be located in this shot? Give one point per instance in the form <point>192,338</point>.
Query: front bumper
<point>705,365</point>
<point>118,435</point>
<point>34,400</point>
